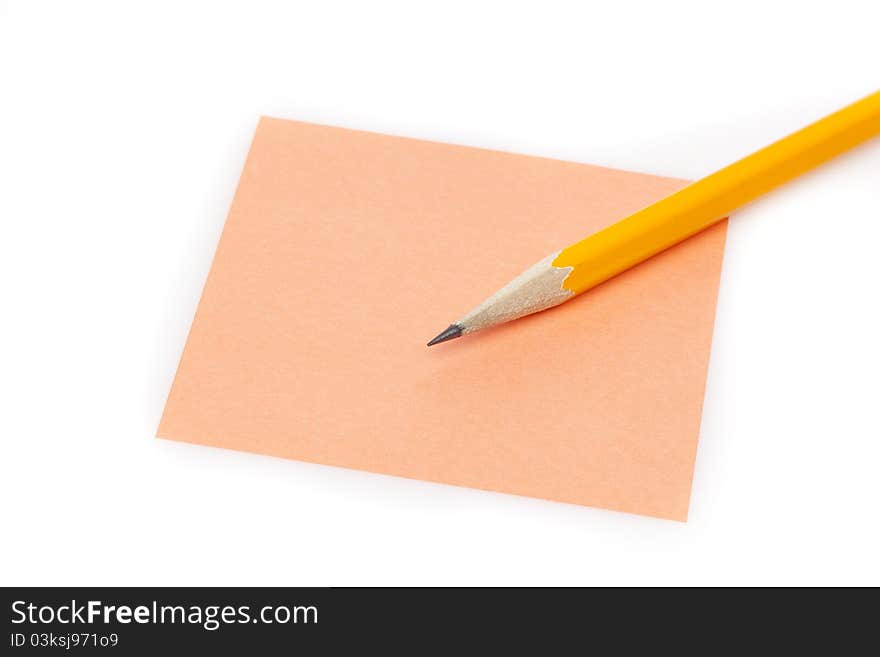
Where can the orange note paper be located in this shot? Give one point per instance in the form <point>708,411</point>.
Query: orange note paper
<point>345,251</point>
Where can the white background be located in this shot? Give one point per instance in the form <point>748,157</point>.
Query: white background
<point>123,129</point>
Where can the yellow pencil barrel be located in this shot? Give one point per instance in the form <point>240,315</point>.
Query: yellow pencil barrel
<point>703,203</point>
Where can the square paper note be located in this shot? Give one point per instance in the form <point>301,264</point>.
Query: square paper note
<point>345,251</point>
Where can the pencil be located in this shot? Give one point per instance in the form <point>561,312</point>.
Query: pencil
<point>583,265</point>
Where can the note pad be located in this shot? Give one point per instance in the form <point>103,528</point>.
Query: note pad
<point>345,251</point>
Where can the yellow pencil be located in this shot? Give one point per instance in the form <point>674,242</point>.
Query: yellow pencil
<point>581,266</point>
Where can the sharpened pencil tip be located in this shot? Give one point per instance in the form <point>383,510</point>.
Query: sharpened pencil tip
<point>451,332</point>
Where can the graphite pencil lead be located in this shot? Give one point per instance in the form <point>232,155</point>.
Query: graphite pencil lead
<point>451,332</point>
